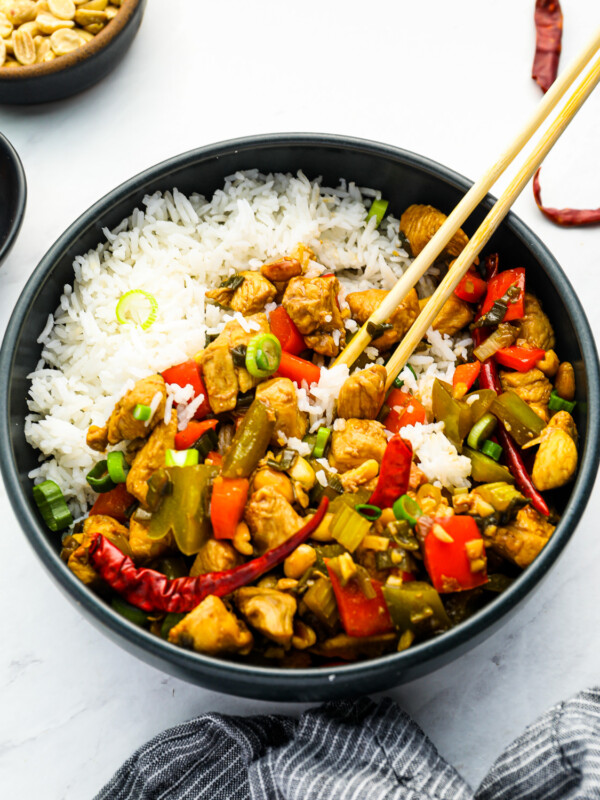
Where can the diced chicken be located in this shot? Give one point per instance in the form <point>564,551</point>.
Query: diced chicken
<point>122,425</point>
<point>454,316</point>
<point>269,611</point>
<point>213,629</point>
<point>312,305</point>
<point>556,459</point>
<point>215,555</point>
<point>143,548</point>
<point>532,386</point>
<point>360,440</point>
<point>222,378</point>
<point>363,304</point>
<point>97,438</point>
<point>362,394</point>
<point>78,561</point>
<point>251,295</point>
<point>417,477</point>
<point>535,328</point>
<point>271,519</point>
<point>419,223</point>
<point>522,540</point>
<point>151,457</point>
<point>280,395</point>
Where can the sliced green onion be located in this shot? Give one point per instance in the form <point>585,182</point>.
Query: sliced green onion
<point>128,611</point>
<point>557,403</point>
<point>349,528</point>
<point>142,412</point>
<point>377,329</point>
<point>407,508</point>
<point>117,466</point>
<point>491,449</point>
<point>52,505</point>
<point>263,354</point>
<point>377,210</point>
<point>323,435</point>
<point>137,306</point>
<point>99,478</point>
<point>181,458</point>
<point>285,462</point>
<point>368,511</point>
<point>399,383</point>
<point>481,430</point>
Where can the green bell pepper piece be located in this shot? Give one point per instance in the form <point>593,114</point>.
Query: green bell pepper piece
<point>250,442</point>
<point>485,470</point>
<point>519,419</point>
<point>416,606</point>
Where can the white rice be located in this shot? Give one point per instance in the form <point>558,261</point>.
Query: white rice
<point>438,458</point>
<point>175,247</point>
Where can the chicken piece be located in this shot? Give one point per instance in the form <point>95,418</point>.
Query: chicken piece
<point>222,378</point>
<point>78,561</point>
<point>535,329</point>
<point>143,548</point>
<point>271,519</point>
<point>359,441</point>
<point>251,295</point>
<point>556,459</point>
<point>312,305</point>
<point>97,438</point>
<point>523,539</point>
<point>454,316</point>
<point>269,611</point>
<point>122,425</point>
<point>279,394</point>
<point>151,457</point>
<point>420,223</point>
<point>417,477</point>
<point>532,386</point>
<point>213,629</point>
<point>215,556</point>
<point>362,305</point>
<point>362,394</point>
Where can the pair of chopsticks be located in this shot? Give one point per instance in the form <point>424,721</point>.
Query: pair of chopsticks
<point>467,205</point>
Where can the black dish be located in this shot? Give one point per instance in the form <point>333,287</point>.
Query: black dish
<point>403,178</point>
<point>13,196</point>
<point>78,70</point>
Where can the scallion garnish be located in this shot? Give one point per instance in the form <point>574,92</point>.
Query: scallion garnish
<point>99,478</point>
<point>263,354</point>
<point>142,412</point>
<point>557,403</point>
<point>368,511</point>
<point>377,210</point>
<point>491,449</point>
<point>52,505</point>
<point>407,508</point>
<point>117,466</point>
<point>138,307</point>
<point>323,435</point>
<point>181,458</point>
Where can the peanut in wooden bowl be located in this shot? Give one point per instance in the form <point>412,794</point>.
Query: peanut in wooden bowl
<point>76,71</point>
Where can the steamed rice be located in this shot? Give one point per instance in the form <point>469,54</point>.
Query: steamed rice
<point>176,247</point>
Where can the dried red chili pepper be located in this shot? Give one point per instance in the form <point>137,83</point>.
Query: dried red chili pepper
<point>548,29</point>
<point>565,216</point>
<point>150,590</point>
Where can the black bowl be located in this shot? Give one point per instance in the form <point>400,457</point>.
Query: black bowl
<point>78,70</point>
<point>13,195</point>
<point>403,178</point>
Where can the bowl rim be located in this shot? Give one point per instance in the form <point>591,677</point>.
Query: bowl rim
<point>83,53</point>
<point>20,199</point>
<point>346,677</point>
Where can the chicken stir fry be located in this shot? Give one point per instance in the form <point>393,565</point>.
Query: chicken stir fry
<point>296,511</point>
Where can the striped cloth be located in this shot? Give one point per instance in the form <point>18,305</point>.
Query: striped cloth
<point>357,750</point>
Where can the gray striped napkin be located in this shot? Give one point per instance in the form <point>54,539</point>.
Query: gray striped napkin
<point>357,750</point>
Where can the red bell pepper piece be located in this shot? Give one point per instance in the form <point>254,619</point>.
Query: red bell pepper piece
<point>114,503</point>
<point>471,288</point>
<point>189,373</point>
<point>283,327</point>
<point>192,432</point>
<point>150,590</point>
<point>227,503</point>
<point>520,358</point>
<point>448,563</point>
<point>405,409</point>
<point>360,616</point>
<point>298,369</point>
<point>394,474</point>
<point>497,288</point>
<point>214,458</point>
<point>464,377</point>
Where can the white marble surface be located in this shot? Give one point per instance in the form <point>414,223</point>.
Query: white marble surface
<point>449,80</point>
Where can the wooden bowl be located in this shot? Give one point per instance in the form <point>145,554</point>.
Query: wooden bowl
<point>72,73</point>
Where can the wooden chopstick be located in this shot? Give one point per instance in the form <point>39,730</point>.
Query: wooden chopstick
<point>490,223</point>
<point>467,205</point>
